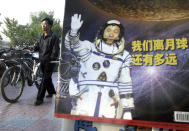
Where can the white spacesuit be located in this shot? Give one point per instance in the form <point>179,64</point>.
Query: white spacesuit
<point>104,85</point>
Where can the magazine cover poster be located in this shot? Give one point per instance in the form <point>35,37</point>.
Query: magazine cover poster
<point>125,62</point>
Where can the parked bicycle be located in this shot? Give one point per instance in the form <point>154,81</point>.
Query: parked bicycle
<point>7,58</point>
<point>13,79</point>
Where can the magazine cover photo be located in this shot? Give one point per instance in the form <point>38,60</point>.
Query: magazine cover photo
<point>125,62</point>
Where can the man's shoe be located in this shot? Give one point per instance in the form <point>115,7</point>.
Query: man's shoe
<point>38,102</point>
<point>49,95</point>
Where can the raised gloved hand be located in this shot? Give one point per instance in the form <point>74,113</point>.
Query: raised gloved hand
<point>76,24</point>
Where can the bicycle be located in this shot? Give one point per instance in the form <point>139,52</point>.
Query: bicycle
<point>13,79</point>
<point>7,59</point>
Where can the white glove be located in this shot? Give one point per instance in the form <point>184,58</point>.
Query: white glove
<point>76,24</point>
<point>127,115</point>
<point>73,90</point>
<point>127,103</point>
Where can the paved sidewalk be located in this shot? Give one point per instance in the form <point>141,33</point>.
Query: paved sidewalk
<point>24,116</point>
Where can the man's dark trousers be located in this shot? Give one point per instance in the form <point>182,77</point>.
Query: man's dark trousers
<point>46,83</point>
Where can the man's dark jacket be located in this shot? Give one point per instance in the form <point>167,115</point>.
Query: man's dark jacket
<point>48,47</point>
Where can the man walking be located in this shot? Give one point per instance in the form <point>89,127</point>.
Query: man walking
<point>48,47</point>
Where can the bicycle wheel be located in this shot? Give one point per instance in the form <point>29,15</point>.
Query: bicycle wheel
<point>2,68</point>
<point>28,70</point>
<point>12,84</point>
<point>38,77</point>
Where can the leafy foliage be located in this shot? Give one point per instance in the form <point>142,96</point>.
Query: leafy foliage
<point>28,34</point>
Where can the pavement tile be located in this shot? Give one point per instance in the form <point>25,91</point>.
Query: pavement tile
<point>24,116</point>
<point>7,110</point>
<point>36,111</point>
<point>4,128</point>
<point>19,121</point>
<point>50,116</point>
<point>45,125</point>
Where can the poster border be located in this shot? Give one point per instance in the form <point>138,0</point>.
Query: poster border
<point>168,125</point>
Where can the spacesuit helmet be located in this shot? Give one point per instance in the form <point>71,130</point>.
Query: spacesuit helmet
<point>113,23</point>
<point>120,42</point>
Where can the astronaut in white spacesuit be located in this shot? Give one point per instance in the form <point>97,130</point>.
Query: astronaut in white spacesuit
<point>104,85</point>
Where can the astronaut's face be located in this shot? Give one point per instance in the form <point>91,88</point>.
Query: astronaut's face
<point>111,33</point>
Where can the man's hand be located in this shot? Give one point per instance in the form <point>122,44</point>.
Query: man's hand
<point>76,24</point>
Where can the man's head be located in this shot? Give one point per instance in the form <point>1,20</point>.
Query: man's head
<point>112,32</point>
<point>46,24</point>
